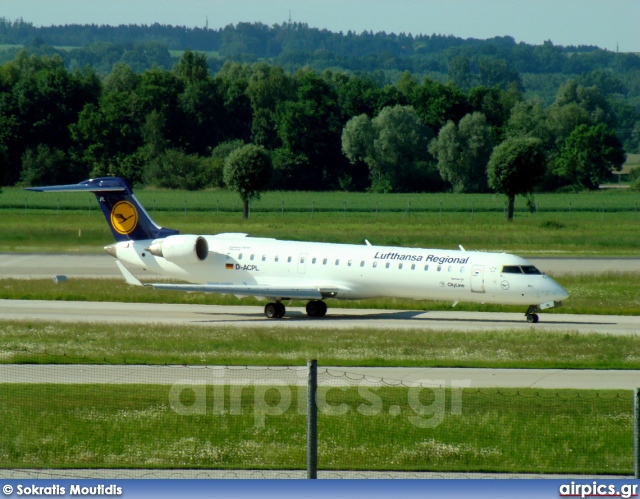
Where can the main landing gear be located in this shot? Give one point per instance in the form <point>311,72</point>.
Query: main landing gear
<point>532,317</point>
<point>315,308</point>
<point>274,310</point>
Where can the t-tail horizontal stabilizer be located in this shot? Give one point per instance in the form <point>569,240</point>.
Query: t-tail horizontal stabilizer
<point>128,220</point>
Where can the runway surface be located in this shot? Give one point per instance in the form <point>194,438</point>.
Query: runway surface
<point>337,318</point>
<point>38,266</point>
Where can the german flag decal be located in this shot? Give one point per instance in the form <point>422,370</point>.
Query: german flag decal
<point>228,266</point>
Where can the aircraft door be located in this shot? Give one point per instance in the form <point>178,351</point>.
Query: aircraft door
<point>477,279</point>
<point>302,263</point>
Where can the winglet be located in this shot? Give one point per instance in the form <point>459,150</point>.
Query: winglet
<point>128,276</point>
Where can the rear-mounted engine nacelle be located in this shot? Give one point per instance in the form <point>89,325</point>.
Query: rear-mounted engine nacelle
<point>181,249</point>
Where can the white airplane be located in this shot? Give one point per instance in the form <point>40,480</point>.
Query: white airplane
<point>234,263</point>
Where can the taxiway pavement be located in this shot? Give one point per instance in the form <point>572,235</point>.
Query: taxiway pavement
<point>336,318</point>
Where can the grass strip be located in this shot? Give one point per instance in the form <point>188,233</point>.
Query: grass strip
<point>43,343</point>
<point>137,426</point>
<point>598,294</point>
<point>554,233</point>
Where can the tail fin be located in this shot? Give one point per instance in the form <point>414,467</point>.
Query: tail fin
<point>128,220</point>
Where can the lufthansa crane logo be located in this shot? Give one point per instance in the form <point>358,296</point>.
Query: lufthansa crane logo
<point>124,217</point>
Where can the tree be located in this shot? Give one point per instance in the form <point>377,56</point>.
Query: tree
<point>463,152</point>
<point>459,72</point>
<point>394,145</point>
<point>247,171</point>
<point>589,155</point>
<point>515,167</point>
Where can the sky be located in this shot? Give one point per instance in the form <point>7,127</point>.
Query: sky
<point>609,24</point>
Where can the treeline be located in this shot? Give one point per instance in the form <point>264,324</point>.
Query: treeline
<point>323,131</point>
<point>292,45</point>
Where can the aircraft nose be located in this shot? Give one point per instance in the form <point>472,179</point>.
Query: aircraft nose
<point>559,292</point>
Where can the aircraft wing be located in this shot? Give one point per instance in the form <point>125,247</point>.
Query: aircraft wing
<point>242,290</point>
<point>276,292</point>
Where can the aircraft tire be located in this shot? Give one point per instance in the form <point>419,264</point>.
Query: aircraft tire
<point>312,308</point>
<point>533,318</point>
<point>271,311</point>
<point>316,308</point>
<point>322,309</point>
<point>281,310</point>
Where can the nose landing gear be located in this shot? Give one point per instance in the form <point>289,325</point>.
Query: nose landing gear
<point>532,317</point>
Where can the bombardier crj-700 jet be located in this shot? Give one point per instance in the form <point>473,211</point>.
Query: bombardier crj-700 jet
<point>234,263</point>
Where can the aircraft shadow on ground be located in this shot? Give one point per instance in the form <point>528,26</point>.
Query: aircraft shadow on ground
<point>295,316</point>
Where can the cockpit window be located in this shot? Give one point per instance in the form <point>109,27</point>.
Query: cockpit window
<point>511,269</point>
<point>516,269</point>
<point>530,269</point>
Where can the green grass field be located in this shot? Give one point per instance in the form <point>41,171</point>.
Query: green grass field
<point>554,234</point>
<point>134,426</point>
<point>98,426</point>
<point>54,343</point>
<point>599,223</point>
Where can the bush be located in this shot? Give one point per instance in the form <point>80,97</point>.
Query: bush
<point>45,166</point>
<point>173,169</point>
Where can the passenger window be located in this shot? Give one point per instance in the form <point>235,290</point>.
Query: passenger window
<point>239,256</point>
<point>387,265</point>
<point>289,259</point>
<point>400,266</point>
<point>511,269</point>
<point>426,267</point>
<point>375,264</point>
<point>362,263</point>
<point>277,258</point>
<point>413,266</point>
<point>349,263</point>
<point>251,258</point>
<point>228,256</point>
<point>439,268</point>
<point>301,259</point>
<point>451,268</point>
<point>313,261</point>
<point>337,262</point>
<point>462,269</point>
<point>324,262</point>
<point>264,258</point>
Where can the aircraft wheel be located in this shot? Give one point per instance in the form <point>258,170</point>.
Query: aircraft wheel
<point>280,310</point>
<point>322,309</point>
<point>312,308</point>
<point>533,318</point>
<point>316,308</point>
<point>271,310</point>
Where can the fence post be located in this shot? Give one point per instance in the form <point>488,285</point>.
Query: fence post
<point>636,433</point>
<point>312,420</point>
